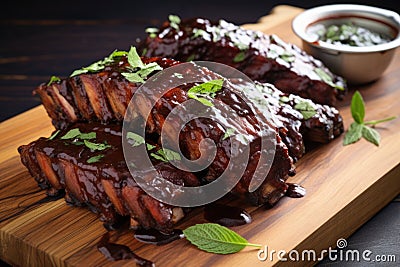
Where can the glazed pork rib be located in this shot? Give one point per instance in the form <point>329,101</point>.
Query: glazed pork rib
<point>263,58</point>
<point>100,179</point>
<point>104,96</point>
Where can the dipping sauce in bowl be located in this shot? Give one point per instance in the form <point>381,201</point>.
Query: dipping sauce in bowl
<point>356,42</point>
<point>347,34</point>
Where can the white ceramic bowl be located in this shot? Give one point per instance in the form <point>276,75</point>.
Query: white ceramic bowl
<point>356,64</point>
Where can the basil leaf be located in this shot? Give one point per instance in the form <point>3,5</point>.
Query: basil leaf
<point>202,100</point>
<point>53,79</point>
<point>239,57</point>
<point>71,134</point>
<point>371,135</point>
<point>95,146</point>
<point>54,135</point>
<point>137,139</point>
<point>306,109</point>
<point>357,107</point>
<point>95,158</point>
<point>353,134</point>
<point>215,238</point>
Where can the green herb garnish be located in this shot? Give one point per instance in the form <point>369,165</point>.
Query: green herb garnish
<point>54,135</point>
<point>174,21</point>
<point>137,139</point>
<point>95,158</point>
<point>239,57</point>
<point>138,71</point>
<point>206,89</point>
<point>199,33</point>
<point>152,32</point>
<point>288,57</point>
<point>228,133</point>
<point>150,146</point>
<point>215,238</point>
<point>71,134</point>
<point>327,78</point>
<point>101,64</point>
<point>306,109</point>
<point>284,99</point>
<point>191,57</point>
<point>165,154</point>
<point>359,128</point>
<point>53,79</point>
<point>96,146</point>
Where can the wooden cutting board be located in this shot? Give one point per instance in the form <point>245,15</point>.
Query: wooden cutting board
<point>345,187</point>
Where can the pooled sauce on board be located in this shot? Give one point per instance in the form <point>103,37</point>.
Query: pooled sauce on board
<point>155,237</point>
<point>226,215</point>
<point>116,252</point>
<point>295,191</point>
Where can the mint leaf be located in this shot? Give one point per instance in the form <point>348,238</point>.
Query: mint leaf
<point>357,107</point>
<point>136,138</point>
<point>327,78</point>
<point>215,238</point>
<point>174,21</point>
<point>95,158</point>
<point>306,109</point>
<point>134,59</point>
<point>150,146</point>
<point>165,154</point>
<point>148,69</point>
<point>133,77</point>
<point>199,33</point>
<point>54,135</point>
<point>87,136</point>
<point>71,134</point>
<point>228,133</point>
<point>191,57</point>
<point>239,57</point>
<point>170,154</point>
<point>353,134</point>
<point>53,79</point>
<point>371,135</point>
<point>152,32</point>
<point>206,89</point>
<point>288,57</point>
<point>99,65</point>
<point>95,146</point>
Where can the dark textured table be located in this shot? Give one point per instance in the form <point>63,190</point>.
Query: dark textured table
<point>38,41</point>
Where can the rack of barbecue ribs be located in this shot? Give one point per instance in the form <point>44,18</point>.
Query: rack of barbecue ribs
<point>84,159</point>
<point>262,57</point>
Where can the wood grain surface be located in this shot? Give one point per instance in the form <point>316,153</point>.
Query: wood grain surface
<point>345,187</point>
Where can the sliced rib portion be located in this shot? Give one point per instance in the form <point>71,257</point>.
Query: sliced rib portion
<point>264,58</point>
<point>100,179</point>
<point>102,96</point>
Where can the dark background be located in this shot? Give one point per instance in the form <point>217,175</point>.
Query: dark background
<point>40,39</point>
